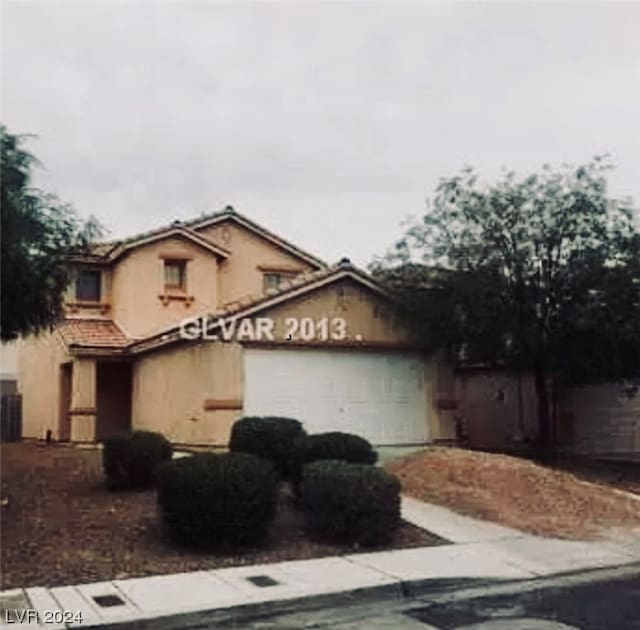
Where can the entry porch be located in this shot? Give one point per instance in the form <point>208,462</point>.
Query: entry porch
<point>95,399</point>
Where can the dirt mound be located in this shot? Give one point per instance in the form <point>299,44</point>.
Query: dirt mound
<point>514,492</point>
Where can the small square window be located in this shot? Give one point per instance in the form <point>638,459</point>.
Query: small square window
<point>88,285</point>
<point>175,275</point>
<point>272,281</point>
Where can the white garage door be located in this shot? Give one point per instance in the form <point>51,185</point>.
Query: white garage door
<point>380,396</point>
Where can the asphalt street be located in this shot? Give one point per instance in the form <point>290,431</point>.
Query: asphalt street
<point>608,605</point>
<point>606,600</point>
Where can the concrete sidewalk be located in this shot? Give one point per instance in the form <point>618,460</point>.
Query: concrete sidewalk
<point>479,550</point>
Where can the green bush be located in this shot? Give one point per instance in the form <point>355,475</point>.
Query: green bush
<point>345,447</point>
<point>350,503</point>
<point>130,461</point>
<point>210,500</point>
<point>270,437</point>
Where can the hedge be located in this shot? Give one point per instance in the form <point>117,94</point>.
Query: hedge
<point>210,500</point>
<point>270,437</point>
<point>334,445</point>
<point>350,503</point>
<point>130,461</point>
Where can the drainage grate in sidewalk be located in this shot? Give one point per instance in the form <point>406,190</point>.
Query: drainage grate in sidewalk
<point>262,580</point>
<point>106,601</point>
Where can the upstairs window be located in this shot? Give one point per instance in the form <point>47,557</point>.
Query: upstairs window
<point>88,285</point>
<point>272,281</point>
<point>175,275</point>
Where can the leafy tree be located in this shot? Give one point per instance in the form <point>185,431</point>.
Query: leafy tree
<point>38,234</point>
<point>540,273</point>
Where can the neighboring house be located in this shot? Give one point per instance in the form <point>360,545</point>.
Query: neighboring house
<point>320,343</point>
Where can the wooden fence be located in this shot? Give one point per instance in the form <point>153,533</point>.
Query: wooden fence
<point>10,417</point>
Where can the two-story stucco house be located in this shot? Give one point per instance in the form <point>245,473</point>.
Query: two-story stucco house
<point>186,328</point>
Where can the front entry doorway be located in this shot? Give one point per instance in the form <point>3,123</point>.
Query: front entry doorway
<point>113,398</point>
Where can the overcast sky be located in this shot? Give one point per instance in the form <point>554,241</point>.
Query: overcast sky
<point>328,123</point>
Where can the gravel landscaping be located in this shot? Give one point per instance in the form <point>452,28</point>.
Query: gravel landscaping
<point>620,475</point>
<point>61,526</point>
<point>515,492</point>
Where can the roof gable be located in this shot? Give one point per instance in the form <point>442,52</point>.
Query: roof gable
<point>230,215</point>
<point>174,231</point>
<point>109,251</point>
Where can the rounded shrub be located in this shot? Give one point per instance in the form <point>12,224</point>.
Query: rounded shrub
<point>352,503</point>
<point>268,437</point>
<point>210,500</point>
<point>334,445</point>
<point>131,461</point>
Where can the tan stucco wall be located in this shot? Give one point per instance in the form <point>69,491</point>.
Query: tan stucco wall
<point>38,362</point>
<point>39,381</point>
<point>170,388</point>
<point>138,283</point>
<point>176,390</point>
<point>367,316</point>
<point>9,359</point>
<point>239,275</point>
<point>83,401</point>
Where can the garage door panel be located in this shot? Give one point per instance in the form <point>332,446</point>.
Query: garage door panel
<point>379,396</point>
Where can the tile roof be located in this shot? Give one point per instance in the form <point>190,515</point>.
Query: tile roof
<point>106,247</point>
<point>102,249</point>
<point>302,282</point>
<point>188,224</point>
<point>95,333</point>
<point>296,282</point>
<point>193,226</point>
<point>230,212</point>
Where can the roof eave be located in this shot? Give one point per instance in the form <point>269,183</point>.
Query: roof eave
<point>125,247</point>
<point>254,227</point>
<point>83,350</point>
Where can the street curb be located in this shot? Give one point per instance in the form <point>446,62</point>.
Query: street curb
<point>257,610</point>
<point>395,592</point>
<point>555,580</point>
